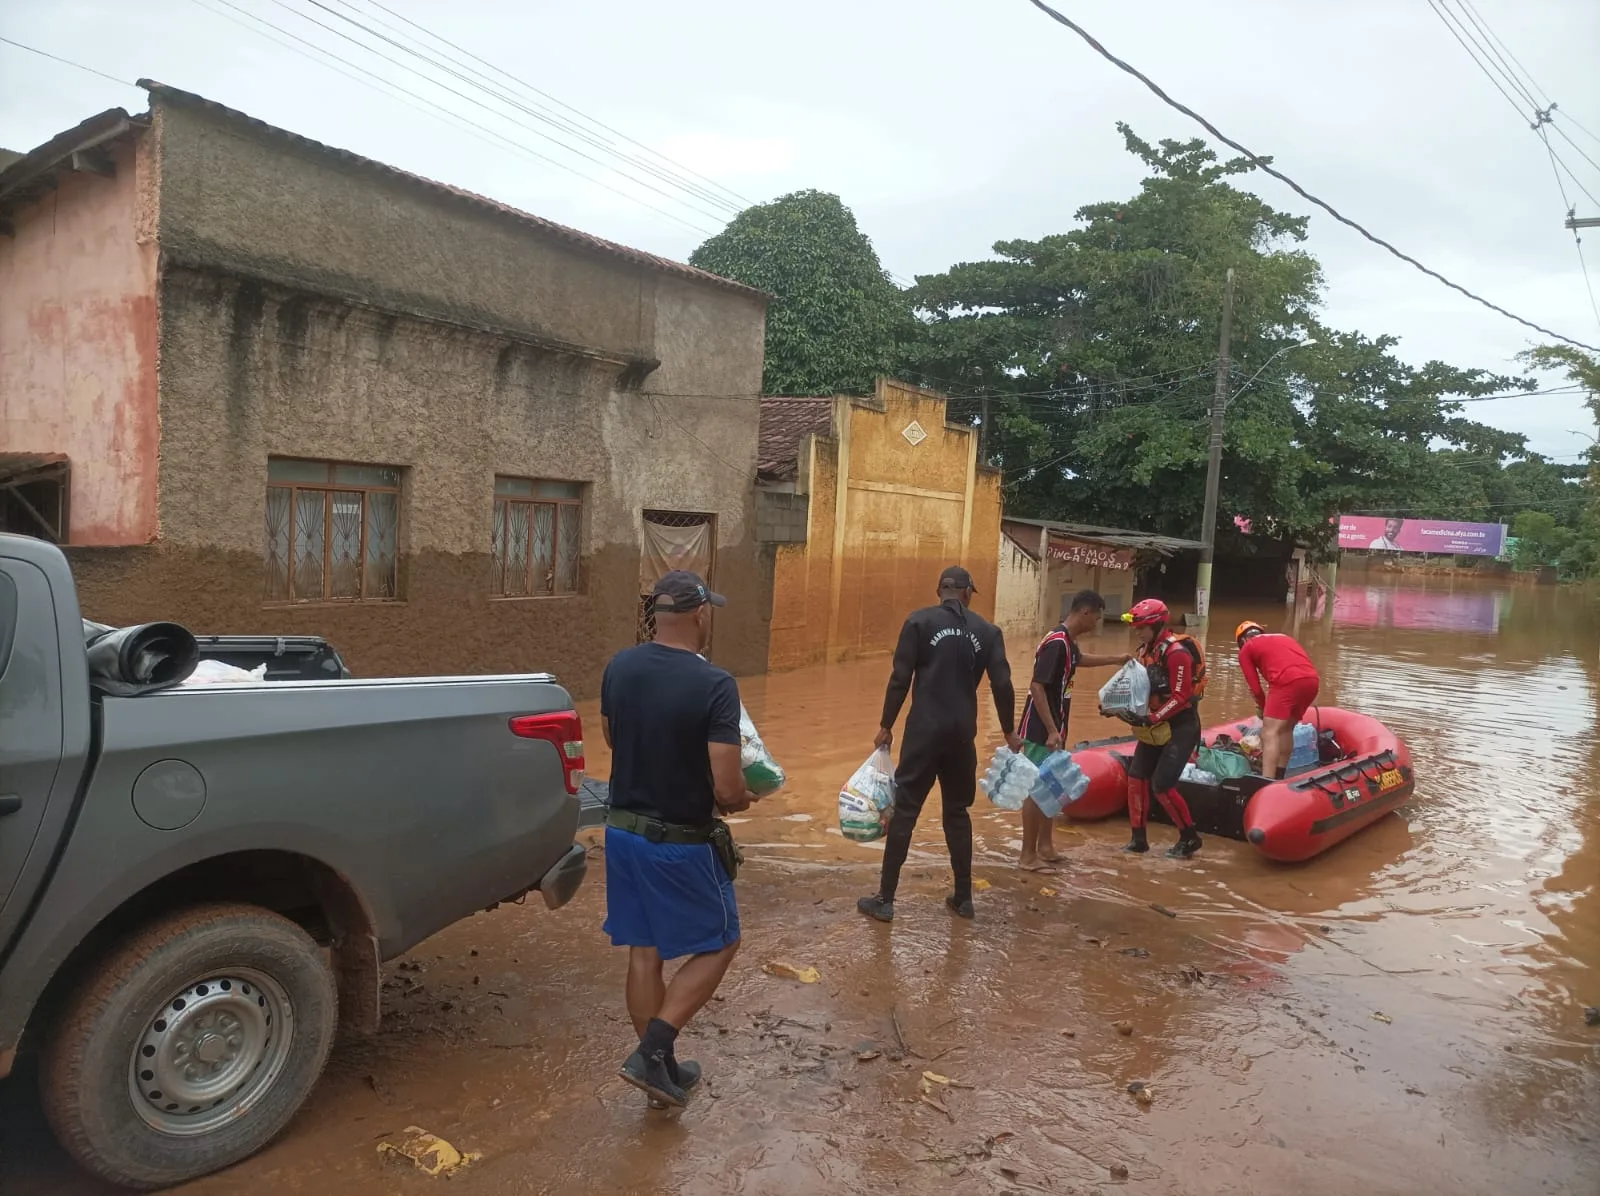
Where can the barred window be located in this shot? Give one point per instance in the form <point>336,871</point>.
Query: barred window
<point>538,537</point>
<point>333,531</point>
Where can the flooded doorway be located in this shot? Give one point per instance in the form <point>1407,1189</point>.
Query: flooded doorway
<point>670,541</point>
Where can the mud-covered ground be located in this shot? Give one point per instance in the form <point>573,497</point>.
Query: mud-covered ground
<point>1403,1015</point>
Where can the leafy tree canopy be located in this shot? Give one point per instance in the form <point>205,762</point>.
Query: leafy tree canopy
<point>835,318</point>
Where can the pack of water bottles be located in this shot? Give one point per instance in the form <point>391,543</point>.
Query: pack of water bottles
<point>1061,782</point>
<point>1128,691</point>
<point>1010,779</point>
<point>867,799</point>
<point>1306,753</point>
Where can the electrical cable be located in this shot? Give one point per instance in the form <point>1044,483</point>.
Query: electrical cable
<point>1268,169</point>
<point>742,199</point>
<point>565,126</point>
<point>67,62</point>
<point>399,92</point>
<point>488,108</point>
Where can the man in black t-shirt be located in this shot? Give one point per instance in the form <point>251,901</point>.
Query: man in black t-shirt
<point>943,653</point>
<point>1044,715</point>
<point>671,719</point>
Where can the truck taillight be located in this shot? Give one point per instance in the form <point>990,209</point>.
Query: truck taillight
<point>563,731</point>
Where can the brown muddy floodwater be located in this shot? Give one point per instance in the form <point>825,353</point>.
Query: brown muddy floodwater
<point>1403,1015</point>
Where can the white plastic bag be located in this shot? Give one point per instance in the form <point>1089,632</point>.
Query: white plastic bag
<point>1010,778</point>
<point>867,799</point>
<point>1128,692</point>
<point>215,672</point>
<point>762,774</point>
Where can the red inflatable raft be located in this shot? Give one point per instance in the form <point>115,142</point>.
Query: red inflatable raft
<point>1364,774</point>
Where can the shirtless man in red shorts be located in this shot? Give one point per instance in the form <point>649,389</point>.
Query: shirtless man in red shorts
<point>1292,683</point>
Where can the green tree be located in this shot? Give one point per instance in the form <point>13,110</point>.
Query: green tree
<point>835,318</point>
<point>1581,557</point>
<point>1540,539</point>
<point>1095,351</point>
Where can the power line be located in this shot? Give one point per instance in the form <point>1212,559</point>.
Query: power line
<point>1294,186</point>
<point>390,90</point>
<point>744,200</point>
<point>542,115</point>
<point>480,104</point>
<point>67,62</point>
<point>1484,25</point>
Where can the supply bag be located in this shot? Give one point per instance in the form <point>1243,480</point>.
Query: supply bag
<point>762,774</point>
<point>1221,762</point>
<point>1128,691</point>
<point>867,798</point>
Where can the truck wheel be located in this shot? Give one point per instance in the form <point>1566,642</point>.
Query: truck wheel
<point>191,1045</point>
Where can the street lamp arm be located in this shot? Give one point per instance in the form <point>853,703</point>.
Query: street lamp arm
<point>1251,379</point>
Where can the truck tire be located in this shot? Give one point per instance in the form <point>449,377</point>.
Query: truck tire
<point>190,1046</point>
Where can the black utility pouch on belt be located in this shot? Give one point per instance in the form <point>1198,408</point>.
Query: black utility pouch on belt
<point>727,850</point>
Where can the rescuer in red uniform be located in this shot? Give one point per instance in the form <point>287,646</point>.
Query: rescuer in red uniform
<point>1169,734</point>
<point>1291,686</point>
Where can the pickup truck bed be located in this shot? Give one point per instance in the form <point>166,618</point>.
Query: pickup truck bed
<point>197,884</point>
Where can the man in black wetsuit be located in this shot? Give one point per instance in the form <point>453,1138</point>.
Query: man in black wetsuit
<point>944,651</point>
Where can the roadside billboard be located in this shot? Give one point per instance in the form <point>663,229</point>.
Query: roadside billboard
<point>1395,534</point>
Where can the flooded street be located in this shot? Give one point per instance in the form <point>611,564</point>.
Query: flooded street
<point>1402,1015</point>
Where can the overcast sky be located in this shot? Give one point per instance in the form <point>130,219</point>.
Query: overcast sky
<point>945,124</point>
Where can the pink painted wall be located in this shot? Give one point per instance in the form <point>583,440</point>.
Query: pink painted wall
<point>78,343</point>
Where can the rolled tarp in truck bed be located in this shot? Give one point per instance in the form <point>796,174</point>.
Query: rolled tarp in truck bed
<point>125,662</point>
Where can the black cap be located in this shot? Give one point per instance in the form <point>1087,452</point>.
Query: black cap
<point>680,592</point>
<point>956,578</point>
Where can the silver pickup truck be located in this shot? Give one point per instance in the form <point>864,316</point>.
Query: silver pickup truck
<point>198,884</point>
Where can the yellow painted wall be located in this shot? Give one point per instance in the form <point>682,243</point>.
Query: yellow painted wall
<point>876,543</point>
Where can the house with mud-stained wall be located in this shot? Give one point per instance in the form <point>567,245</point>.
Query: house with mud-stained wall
<point>256,384</point>
<point>884,493</point>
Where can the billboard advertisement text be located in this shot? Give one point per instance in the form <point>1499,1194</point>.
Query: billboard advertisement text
<point>1394,534</point>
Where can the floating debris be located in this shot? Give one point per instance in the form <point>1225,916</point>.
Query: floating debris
<point>428,1153</point>
<point>788,971</point>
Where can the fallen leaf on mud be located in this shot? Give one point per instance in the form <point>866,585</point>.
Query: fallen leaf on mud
<point>1010,1173</point>
<point>789,971</point>
<point>934,1077</point>
<point>1124,1028</point>
<point>1384,1018</point>
<point>868,1056</point>
<point>1119,1171</point>
<point>1190,974</point>
<point>1069,1033</point>
<point>1161,909</point>
<point>1136,952</point>
<point>933,1102</point>
<point>429,1154</point>
<point>1047,892</point>
<point>1591,1015</point>
<point>980,885</point>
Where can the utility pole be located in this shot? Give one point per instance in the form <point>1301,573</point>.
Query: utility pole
<point>1219,405</point>
<point>1577,222</point>
<point>983,433</point>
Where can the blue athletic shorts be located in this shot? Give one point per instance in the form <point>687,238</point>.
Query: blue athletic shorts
<point>675,897</point>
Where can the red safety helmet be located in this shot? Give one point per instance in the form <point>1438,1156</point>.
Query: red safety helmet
<point>1149,612</point>
<point>1246,628</point>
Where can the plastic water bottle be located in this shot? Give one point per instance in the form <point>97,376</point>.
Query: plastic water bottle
<point>1305,753</point>
<point>1009,779</point>
<point>1061,782</point>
